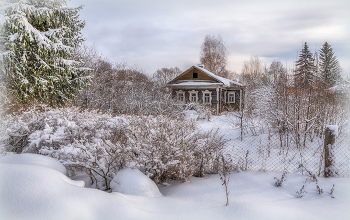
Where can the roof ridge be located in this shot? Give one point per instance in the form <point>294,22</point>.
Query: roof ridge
<point>219,78</point>
<point>225,81</point>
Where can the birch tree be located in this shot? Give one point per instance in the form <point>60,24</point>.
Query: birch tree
<point>214,55</point>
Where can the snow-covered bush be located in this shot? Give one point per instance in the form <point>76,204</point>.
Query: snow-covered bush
<point>209,153</point>
<point>101,144</point>
<point>166,147</point>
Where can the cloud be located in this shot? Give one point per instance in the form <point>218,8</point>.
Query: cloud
<point>156,34</point>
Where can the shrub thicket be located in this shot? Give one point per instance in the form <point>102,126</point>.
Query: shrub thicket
<point>100,144</point>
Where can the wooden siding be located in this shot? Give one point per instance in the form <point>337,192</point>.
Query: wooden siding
<point>234,105</point>
<point>200,95</point>
<point>223,105</point>
<point>189,75</point>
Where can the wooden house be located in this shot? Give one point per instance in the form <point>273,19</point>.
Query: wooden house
<point>198,85</point>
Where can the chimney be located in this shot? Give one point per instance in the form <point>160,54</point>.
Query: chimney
<point>201,65</point>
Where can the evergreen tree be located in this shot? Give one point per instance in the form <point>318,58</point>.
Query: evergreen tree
<point>40,38</point>
<point>329,65</point>
<point>305,68</point>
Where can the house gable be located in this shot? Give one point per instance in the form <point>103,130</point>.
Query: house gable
<point>188,76</point>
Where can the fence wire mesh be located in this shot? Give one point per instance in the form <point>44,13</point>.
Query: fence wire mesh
<point>277,152</point>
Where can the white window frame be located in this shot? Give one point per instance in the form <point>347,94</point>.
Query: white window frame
<point>204,93</point>
<point>228,97</point>
<point>193,92</point>
<point>178,95</point>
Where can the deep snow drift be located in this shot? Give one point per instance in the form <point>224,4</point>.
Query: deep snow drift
<point>34,159</point>
<point>37,192</point>
<point>134,182</point>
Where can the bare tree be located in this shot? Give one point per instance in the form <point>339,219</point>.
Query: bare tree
<point>164,75</point>
<point>214,55</point>
<point>121,88</point>
<point>232,75</point>
<point>252,77</point>
<point>251,72</point>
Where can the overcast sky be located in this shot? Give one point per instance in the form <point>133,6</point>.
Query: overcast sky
<point>154,34</point>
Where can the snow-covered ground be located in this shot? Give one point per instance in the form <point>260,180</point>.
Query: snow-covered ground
<point>36,187</point>
<point>32,191</point>
<point>34,159</point>
<point>134,182</point>
<point>262,151</point>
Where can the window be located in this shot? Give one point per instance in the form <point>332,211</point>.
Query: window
<point>206,97</point>
<point>193,96</point>
<point>180,96</point>
<point>231,97</point>
<point>195,75</point>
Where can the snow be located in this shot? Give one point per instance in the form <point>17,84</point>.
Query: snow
<point>196,84</point>
<point>262,152</point>
<point>33,187</point>
<point>42,40</point>
<point>227,82</point>
<point>341,87</point>
<point>134,182</point>
<point>13,37</point>
<point>34,159</point>
<point>334,129</point>
<point>35,192</point>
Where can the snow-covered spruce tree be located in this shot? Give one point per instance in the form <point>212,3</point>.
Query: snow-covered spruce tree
<point>305,68</point>
<point>329,65</point>
<point>40,37</point>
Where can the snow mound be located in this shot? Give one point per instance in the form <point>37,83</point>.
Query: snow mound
<point>34,159</point>
<point>79,183</point>
<point>134,182</point>
<point>31,192</point>
<point>334,129</point>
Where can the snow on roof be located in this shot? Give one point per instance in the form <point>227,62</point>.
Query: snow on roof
<point>193,83</point>
<point>223,80</point>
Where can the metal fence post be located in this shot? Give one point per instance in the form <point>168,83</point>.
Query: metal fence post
<point>329,140</point>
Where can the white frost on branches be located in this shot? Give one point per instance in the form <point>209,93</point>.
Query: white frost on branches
<point>101,144</point>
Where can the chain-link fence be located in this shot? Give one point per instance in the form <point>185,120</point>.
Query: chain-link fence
<point>281,152</point>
